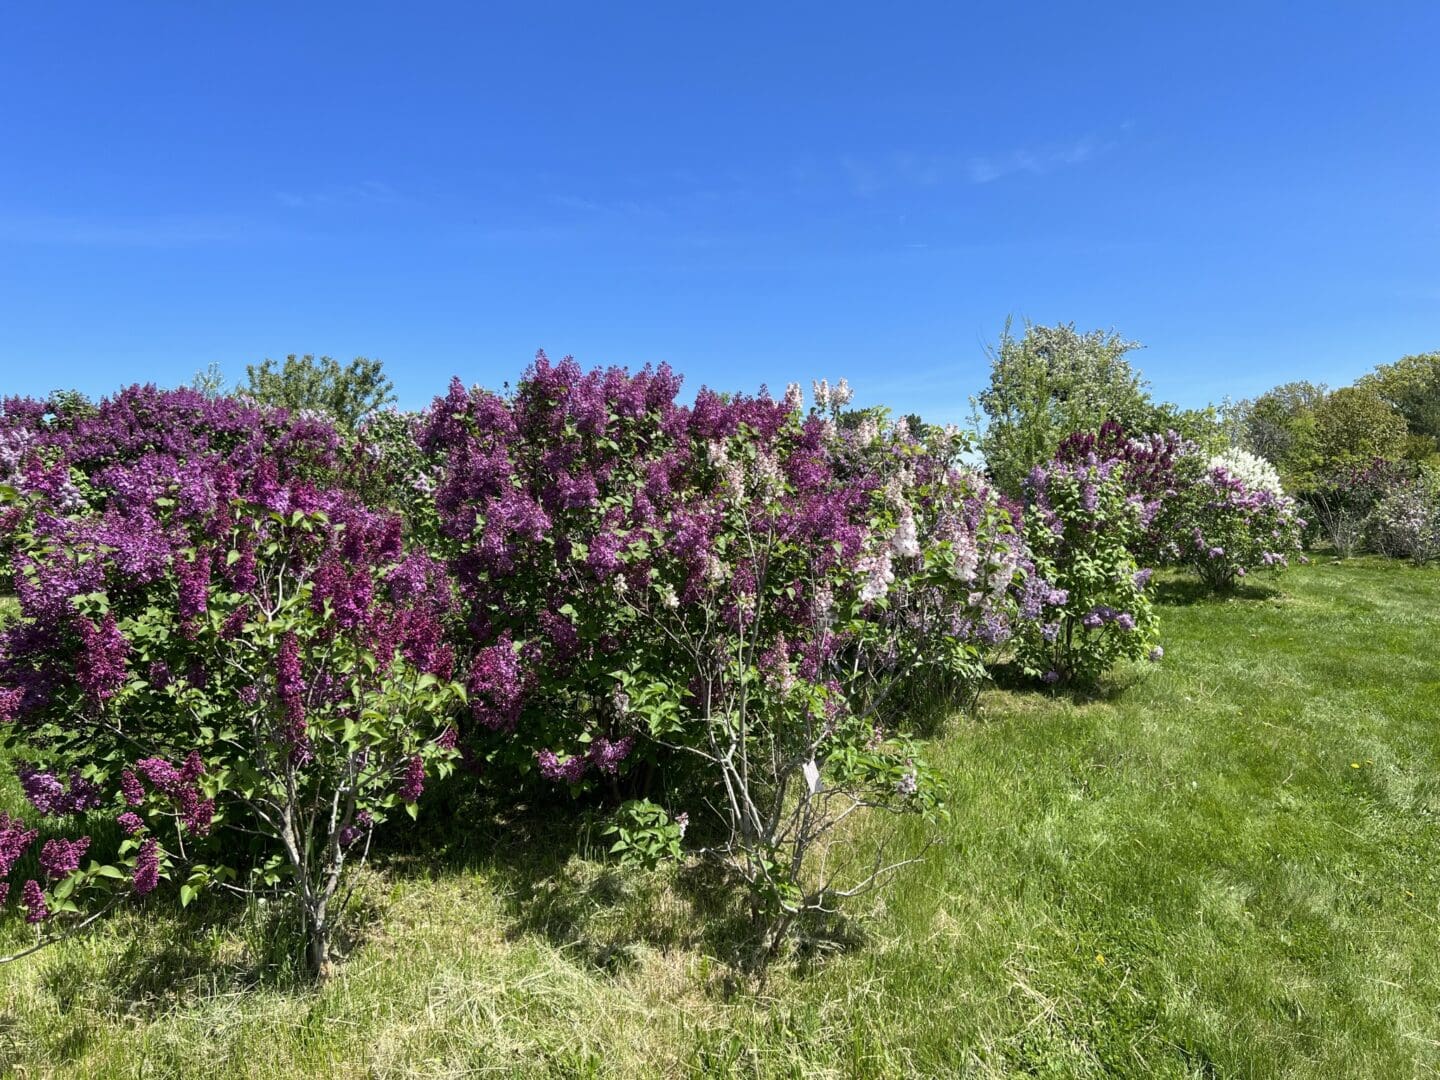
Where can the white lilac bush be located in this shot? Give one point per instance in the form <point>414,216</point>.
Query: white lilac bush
<point>1405,522</point>
<point>1252,470</point>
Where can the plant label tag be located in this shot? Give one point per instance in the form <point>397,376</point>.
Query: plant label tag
<point>812,775</point>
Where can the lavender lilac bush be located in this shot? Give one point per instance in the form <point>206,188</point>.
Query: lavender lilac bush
<point>1225,528</point>
<point>1089,600</point>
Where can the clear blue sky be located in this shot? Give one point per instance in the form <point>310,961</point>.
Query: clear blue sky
<point>752,192</point>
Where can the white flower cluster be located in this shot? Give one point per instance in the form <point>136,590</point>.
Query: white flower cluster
<point>906,543</point>
<point>730,470</point>
<point>14,446</point>
<point>879,575</point>
<point>827,397</point>
<point>767,473</point>
<point>1255,472</point>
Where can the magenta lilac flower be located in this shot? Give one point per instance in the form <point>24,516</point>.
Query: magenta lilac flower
<point>32,898</point>
<point>569,771</point>
<point>61,857</point>
<point>606,755</point>
<point>413,783</point>
<point>147,867</point>
<point>100,664</point>
<point>131,789</point>
<point>15,838</point>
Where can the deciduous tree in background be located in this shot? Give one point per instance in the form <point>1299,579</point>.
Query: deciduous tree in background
<point>344,394</point>
<point>1412,386</point>
<point>1354,426</point>
<point>1055,380</point>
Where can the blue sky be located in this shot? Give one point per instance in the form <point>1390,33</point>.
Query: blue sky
<point>753,193</point>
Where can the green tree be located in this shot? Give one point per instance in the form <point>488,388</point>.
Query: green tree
<point>1412,386</point>
<point>345,394</point>
<point>210,382</point>
<point>1354,426</point>
<point>1280,426</point>
<point>1053,380</point>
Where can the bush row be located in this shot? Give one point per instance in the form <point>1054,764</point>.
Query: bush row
<point>247,642</point>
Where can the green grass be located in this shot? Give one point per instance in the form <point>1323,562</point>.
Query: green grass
<point>1227,868</point>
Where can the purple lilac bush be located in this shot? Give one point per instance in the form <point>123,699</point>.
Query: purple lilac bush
<point>1226,528</point>
<point>646,581</point>
<point>218,646</point>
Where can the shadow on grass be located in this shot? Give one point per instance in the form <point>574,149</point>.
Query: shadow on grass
<point>167,957</point>
<point>150,955</point>
<point>1185,591</point>
<point>545,860</point>
<point>928,704</point>
<point>1009,677</point>
<point>548,863</point>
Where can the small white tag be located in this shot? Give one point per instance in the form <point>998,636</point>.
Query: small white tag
<point>812,775</point>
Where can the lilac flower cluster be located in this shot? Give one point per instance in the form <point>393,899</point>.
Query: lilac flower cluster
<point>179,785</point>
<point>147,867</point>
<point>15,838</point>
<point>51,797</point>
<point>59,858</point>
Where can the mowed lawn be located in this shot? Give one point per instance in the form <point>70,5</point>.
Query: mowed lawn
<point>1228,866</point>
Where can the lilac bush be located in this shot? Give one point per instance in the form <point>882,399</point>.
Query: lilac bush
<point>1089,598</point>
<point>1344,501</point>
<point>655,589</point>
<point>1222,517</point>
<point>1155,469</point>
<point>1405,521</point>
<point>218,645</point>
<point>954,582</point>
<point>251,641</point>
<point>1225,529</point>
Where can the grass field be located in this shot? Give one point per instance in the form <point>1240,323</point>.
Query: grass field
<point>1229,867</point>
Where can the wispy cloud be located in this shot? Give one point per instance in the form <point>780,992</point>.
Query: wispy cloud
<point>366,193</point>
<point>870,175</point>
<point>1035,160</point>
